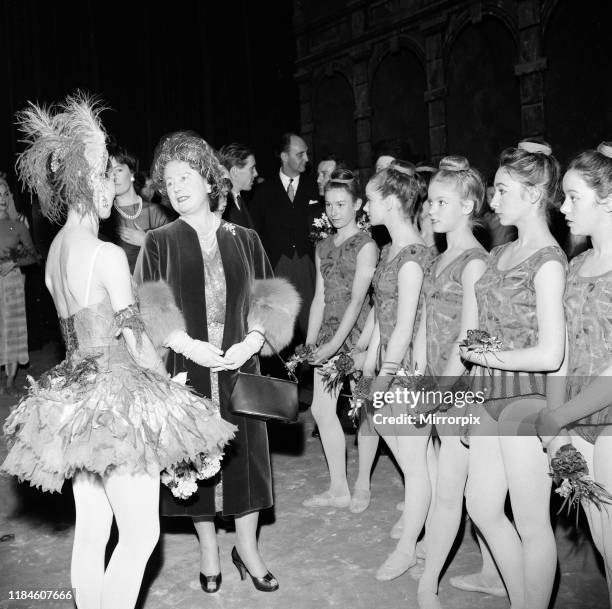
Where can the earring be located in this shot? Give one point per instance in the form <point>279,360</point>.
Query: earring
<point>132,179</point>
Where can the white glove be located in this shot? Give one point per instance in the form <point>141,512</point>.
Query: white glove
<point>198,351</point>
<point>241,352</point>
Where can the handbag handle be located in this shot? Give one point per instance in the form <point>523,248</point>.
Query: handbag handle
<point>290,374</point>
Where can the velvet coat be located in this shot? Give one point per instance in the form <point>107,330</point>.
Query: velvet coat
<point>172,253</point>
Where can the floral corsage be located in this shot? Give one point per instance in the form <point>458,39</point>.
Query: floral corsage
<point>182,478</point>
<point>571,473</point>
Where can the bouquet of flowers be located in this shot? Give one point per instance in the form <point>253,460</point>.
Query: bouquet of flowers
<point>302,354</point>
<point>480,341</point>
<point>570,471</point>
<point>364,224</point>
<point>321,229</point>
<point>361,396</point>
<point>19,254</point>
<point>336,369</point>
<point>182,478</point>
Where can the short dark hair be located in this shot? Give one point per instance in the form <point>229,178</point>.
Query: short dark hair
<point>234,155</point>
<point>123,157</point>
<point>285,141</point>
<point>331,156</point>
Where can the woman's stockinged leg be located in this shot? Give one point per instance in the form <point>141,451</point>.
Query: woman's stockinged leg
<point>446,513</point>
<point>209,550</point>
<point>367,445</point>
<point>246,544</point>
<point>486,492</point>
<point>94,518</point>
<point>526,467</point>
<point>134,499</point>
<point>332,436</point>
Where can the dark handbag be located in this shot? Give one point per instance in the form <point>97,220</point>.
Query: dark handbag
<point>266,397</point>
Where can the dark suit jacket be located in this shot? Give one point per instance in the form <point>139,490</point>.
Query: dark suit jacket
<point>283,226</point>
<point>172,253</point>
<point>241,216</point>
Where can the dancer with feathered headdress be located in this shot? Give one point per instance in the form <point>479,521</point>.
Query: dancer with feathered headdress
<point>108,416</point>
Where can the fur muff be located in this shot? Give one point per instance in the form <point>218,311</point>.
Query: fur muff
<point>159,312</point>
<point>274,305</point>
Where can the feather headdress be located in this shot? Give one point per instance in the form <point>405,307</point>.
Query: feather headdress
<point>65,157</point>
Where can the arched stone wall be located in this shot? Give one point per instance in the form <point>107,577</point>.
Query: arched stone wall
<point>578,93</point>
<point>333,118</point>
<point>399,111</point>
<point>483,102</point>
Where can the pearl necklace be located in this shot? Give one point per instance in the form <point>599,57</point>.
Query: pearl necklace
<point>130,216</point>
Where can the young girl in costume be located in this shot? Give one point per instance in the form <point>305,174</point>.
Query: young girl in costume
<point>456,196</point>
<point>108,416</point>
<point>345,263</point>
<point>587,186</point>
<point>520,303</point>
<point>393,199</point>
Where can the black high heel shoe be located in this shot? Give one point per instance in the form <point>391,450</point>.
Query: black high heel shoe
<point>210,583</point>
<point>267,583</point>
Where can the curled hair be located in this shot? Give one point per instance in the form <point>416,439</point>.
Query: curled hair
<point>399,180</point>
<point>468,181</point>
<point>595,168</point>
<point>190,148</point>
<point>234,155</point>
<point>538,169</point>
<point>12,212</point>
<point>344,179</point>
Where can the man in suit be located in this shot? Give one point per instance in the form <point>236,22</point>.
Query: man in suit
<point>239,161</point>
<point>283,210</point>
<point>325,168</point>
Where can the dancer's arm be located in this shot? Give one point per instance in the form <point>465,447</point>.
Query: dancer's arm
<point>369,366</point>
<point>410,279</point>
<point>472,272</point>
<point>365,267</point>
<point>315,317</point>
<point>547,354</point>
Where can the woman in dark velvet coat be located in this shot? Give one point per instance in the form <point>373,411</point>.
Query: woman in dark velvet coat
<point>214,269</point>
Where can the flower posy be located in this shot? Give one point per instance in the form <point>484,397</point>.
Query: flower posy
<point>302,353</point>
<point>480,341</point>
<point>570,470</point>
<point>336,369</point>
<point>321,229</point>
<point>361,396</point>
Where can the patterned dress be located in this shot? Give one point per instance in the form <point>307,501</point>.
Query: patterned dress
<point>214,280</point>
<point>588,308</point>
<point>507,310</point>
<point>386,294</point>
<point>338,266</point>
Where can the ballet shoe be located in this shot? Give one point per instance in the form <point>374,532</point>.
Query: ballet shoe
<point>475,583</point>
<point>267,583</point>
<point>400,506</point>
<point>397,563</point>
<point>360,500</point>
<point>210,583</point>
<point>326,499</point>
<point>426,599</point>
<point>398,528</point>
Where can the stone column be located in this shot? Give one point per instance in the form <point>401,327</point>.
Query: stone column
<point>363,112</point>
<point>435,96</point>
<point>530,69</point>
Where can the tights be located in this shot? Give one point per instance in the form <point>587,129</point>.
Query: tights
<point>332,436</point>
<point>498,464</point>
<point>599,462</point>
<point>134,502</point>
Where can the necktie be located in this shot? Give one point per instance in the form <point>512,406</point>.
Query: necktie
<point>291,190</point>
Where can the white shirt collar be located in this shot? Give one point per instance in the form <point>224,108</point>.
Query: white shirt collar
<point>285,180</point>
<point>234,195</point>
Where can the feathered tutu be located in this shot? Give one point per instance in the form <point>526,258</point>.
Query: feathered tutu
<point>100,412</point>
